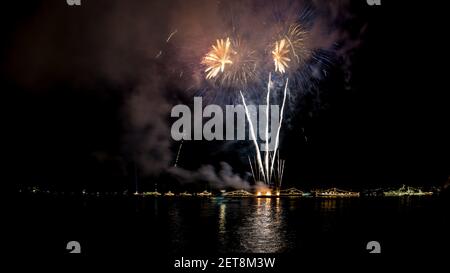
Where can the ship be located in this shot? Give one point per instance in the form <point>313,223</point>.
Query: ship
<point>291,192</point>
<point>151,193</point>
<point>169,193</point>
<point>185,194</point>
<point>407,191</point>
<point>335,192</point>
<point>238,193</point>
<point>204,194</point>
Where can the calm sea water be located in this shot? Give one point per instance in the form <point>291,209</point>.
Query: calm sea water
<point>157,228</point>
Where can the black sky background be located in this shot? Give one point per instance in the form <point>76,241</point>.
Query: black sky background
<point>390,128</point>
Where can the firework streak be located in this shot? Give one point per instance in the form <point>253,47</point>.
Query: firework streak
<point>264,169</point>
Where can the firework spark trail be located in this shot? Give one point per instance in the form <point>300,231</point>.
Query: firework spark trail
<point>252,132</point>
<point>279,165</point>
<point>256,166</point>
<point>251,168</point>
<point>171,34</point>
<point>296,38</point>
<point>267,128</point>
<point>293,48</point>
<point>279,124</point>
<point>178,154</point>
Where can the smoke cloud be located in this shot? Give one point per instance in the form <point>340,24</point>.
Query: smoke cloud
<point>222,178</point>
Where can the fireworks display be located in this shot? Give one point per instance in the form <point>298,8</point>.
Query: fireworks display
<point>280,56</point>
<point>255,142</point>
<point>241,62</point>
<point>266,169</point>
<point>218,58</point>
<point>296,38</point>
<point>290,49</point>
<point>232,61</point>
<point>243,69</point>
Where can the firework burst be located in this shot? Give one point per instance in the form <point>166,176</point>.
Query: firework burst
<point>244,67</point>
<point>290,50</point>
<point>296,38</point>
<point>230,63</point>
<point>280,56</point>
<point>216,59</point>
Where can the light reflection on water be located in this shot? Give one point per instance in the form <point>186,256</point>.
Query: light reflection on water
<point>267,225</point>
<point>222,220</point>
<point>246,225</point>
<point>261,230</point>
<point>220,225</point>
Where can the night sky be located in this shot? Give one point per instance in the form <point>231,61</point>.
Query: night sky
<point>85,101</point>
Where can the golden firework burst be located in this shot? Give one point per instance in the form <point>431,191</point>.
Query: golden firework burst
<point>280,56</point>
<point>296,38</point>
<point>217,58</point>
<point>291,50</point>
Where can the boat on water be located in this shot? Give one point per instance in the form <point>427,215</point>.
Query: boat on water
<point>407,191</point>
<point>335,192</point>
<point>237,193</point>
<point>185,194</point>
<point>151,193</point>
<point>204,194</point>
<point>169,193</point>
<point>292,192</point>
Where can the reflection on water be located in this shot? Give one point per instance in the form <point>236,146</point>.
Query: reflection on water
<point>262,230</point>
<point>328,205</point>
<point>329,209</point>
<point>258,228</point>
<point>175,227</point>
<point>226,226</point>
<point>270,225</point>
<point>222,220</point>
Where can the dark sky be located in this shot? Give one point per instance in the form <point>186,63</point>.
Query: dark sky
<point>82,103</point>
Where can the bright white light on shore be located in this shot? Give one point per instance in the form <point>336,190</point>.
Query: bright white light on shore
<point>259,193</point>
<point>268,193</point>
